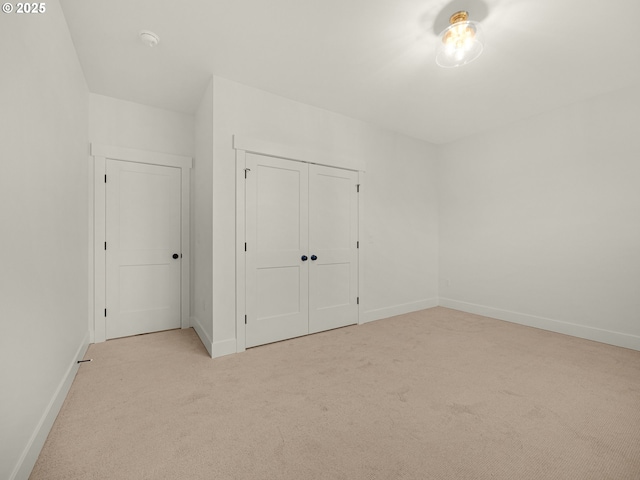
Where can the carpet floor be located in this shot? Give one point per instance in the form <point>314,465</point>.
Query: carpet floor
<point>436,394</point>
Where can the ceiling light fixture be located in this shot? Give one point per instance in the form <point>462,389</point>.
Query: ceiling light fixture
<point>150,39</point>
<point>460,43</point>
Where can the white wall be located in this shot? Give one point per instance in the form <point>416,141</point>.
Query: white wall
<point>399,251</point>
<point>132,125</point>
<point>44,208</point>
<point>400,231</point>
<point>540,221</point>
<point>202,222</point>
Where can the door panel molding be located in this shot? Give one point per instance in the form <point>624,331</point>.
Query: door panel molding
<point>288,152</point>
<point>141,156</point>
<point>97,227</point>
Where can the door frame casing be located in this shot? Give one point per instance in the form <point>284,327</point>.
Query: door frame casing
<point>97,228</point>
<point>244,145</point>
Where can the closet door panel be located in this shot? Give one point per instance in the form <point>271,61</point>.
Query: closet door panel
<point>333,234</point>
<point>277,239</point>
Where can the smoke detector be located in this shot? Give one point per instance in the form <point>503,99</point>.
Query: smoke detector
<point>150,39</point>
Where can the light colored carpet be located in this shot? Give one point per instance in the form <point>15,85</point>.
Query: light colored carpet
<point>436,394</point>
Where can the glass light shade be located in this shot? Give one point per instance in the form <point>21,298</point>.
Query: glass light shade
<point>460,43</point>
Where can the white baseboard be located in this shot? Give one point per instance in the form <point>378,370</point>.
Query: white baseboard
<point>224,347</point>
<point>575,330</point>
<point>372,315</point>
<point>204,338</point>
<point>31,451</point>
<point>215,349</point>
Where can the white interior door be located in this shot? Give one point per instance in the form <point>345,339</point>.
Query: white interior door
<point>143,230</point>
<point>277,229</point>
<point>333,240</point>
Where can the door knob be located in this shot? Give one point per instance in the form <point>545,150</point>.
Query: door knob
<point>175,255</point>
<point>304,258</point>
<point>313,257</point>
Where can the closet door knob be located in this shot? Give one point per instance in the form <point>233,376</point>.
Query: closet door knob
<point>303,258</point>
<point>313,257</point>
<point>175,255</point>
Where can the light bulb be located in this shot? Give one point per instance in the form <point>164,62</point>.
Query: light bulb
<point>460,43</point>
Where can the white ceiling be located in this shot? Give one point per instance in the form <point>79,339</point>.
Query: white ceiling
<point>368,59</point>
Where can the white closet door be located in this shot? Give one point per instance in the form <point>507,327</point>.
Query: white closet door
<point>333,236</point>
<point>277,229</point>
<point>143,235</point>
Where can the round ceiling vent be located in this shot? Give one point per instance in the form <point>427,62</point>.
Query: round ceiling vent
<point>150,39</point>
